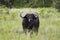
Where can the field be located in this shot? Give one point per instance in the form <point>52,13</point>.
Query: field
<point>11,24</point>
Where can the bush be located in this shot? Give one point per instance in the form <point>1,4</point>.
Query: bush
<point>46,12</point>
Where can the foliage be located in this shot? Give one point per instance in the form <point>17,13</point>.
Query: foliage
<point>46,13</point>
<point>28,3</point>
<point>31,3</point>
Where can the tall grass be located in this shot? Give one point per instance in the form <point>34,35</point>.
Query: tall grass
<point>11,24</point>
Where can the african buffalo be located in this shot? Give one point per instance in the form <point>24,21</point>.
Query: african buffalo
<point>30,22</point>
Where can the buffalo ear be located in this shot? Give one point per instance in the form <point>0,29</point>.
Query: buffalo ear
<point>35,15</point>
<point>25,17</point>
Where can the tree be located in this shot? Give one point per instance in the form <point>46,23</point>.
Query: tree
<point>7,3</point>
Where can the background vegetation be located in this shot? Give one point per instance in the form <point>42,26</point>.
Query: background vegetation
<point>31,3</point>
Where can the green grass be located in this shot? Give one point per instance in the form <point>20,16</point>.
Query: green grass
<point>11,24</point>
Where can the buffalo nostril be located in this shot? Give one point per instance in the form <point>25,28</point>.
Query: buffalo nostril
<point>29,20</point>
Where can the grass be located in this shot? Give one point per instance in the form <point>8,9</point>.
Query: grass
<point>11,26</point>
